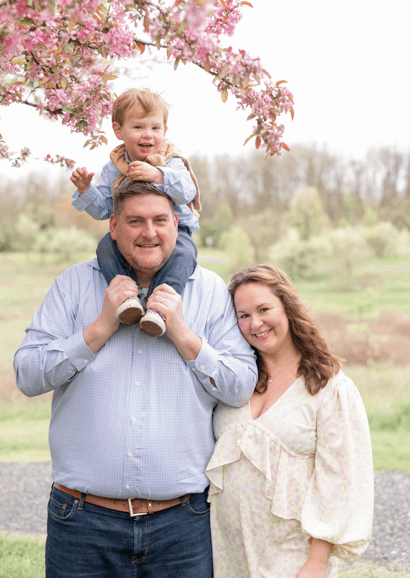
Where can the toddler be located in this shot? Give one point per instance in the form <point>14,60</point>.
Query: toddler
<point>139,119</point>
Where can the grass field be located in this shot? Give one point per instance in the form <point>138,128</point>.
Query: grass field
<point>384,386</point>
<point>24,558</point>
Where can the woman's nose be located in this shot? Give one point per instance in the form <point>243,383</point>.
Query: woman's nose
<point>256,322</point>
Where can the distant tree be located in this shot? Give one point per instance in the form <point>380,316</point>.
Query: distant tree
<point>263,230</point>
<point>238,248</point>
<point>306,213</point>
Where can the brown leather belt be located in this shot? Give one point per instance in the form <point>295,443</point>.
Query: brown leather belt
<point>135,507</point>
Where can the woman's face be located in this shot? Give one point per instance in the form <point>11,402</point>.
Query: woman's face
<point>262,319</point>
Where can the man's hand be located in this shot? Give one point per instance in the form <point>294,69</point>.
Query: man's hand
<point>99,332</point>
<point>81,178</point>
<point>167,301</point>
<point>140,171</point>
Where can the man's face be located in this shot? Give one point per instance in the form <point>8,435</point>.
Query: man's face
<point>146,232</point>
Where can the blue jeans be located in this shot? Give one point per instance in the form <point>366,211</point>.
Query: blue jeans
<point>85,541</point>
<point>175,272</point>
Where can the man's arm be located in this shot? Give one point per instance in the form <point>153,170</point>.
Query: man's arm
<point>55,348</point>
<point>224,363</point>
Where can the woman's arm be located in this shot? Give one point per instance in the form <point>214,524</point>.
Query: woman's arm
<point>316,564</point>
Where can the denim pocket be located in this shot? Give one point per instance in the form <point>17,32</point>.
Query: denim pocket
<point>198,505</point>
<point>61,506</point>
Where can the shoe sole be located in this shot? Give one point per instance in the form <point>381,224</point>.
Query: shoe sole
<point>131,316</point>
<point>151,329</point>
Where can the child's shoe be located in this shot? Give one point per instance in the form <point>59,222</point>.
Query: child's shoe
<point>130,311</point>
<point>153,323</point>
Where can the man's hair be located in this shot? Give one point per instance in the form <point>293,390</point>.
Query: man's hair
<point>129,188</point>
<point>133,100</point>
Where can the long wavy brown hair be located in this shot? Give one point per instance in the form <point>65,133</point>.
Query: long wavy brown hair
<point>317,364</point>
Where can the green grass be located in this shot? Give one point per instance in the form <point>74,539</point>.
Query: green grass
<point>21,557</point>
<point>366,569</point>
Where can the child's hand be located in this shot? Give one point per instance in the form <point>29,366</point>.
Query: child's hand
<point>140,171</point>
<point>81,179</point>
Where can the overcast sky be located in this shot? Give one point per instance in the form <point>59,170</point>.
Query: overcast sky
<point>347,64</point>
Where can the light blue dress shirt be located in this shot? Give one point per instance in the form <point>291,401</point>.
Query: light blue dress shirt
<point>97,200</point>
<point>133,420</point>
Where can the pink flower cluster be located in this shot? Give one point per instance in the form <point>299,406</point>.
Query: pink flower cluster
<point>53,56</point>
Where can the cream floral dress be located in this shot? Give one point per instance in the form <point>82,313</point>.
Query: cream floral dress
<point>302,469</point>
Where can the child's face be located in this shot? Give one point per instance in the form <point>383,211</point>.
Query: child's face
<point>142,136</point>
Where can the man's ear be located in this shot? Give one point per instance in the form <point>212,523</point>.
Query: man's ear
<point>113,227</point>
<point>117,130</point>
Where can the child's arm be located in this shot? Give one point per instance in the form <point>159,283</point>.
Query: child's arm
<point>81,179</point>
<point>173,178</point>
<point>97,199</point>
<point>141,171</point>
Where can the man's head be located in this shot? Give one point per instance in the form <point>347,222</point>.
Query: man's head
<point>139,118</point>
<point>145,226</point>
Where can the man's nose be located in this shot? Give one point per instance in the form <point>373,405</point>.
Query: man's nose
<point>149,230</point>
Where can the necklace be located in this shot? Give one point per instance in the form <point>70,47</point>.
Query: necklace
<point>282,370</point>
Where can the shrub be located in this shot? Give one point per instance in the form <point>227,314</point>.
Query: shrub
<point>238,248</point>
<point>298,258</point>
<point>64,242</point>
<point>383,239</point>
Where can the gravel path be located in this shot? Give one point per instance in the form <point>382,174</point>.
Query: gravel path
<point>25,489</point>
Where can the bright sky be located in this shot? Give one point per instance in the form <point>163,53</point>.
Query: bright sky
<point>347,64</point>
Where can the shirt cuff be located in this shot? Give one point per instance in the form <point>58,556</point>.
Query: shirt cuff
<point>82,202</point>
<point>205,365</point>
<point>77,351</point>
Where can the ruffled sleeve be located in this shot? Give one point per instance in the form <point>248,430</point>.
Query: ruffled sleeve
<point>339,503</point>
<point>286,475</point>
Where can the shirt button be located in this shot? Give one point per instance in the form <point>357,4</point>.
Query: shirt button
<point>127,487</point>
<point>193,369</point>
<point>134,419</point>
<point>137,383</point>
<point>130,454</point>
<point>202,366</point>
<point>214,389</point>
<point>85,360</point>
<point>139,350</point>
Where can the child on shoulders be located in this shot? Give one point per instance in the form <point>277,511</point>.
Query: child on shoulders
<point>139,119</point>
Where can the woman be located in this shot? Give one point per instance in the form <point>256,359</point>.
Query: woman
<point>291,476</point>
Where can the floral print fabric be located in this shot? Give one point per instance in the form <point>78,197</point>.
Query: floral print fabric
<point>302,469</point>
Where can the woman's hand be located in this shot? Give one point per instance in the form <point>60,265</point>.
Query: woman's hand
<point>312,570</point>
<point>316,564</point>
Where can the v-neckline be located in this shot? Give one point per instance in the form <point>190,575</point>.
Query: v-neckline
<point>273,404</point>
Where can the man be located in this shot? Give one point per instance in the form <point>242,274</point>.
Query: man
<point>131,424</point>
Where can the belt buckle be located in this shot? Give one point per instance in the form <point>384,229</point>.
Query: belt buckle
<point>132,513</point>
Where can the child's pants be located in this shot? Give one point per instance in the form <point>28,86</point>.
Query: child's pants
<point>176,271</point>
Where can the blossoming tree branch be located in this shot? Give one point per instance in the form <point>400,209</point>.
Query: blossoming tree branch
<point>56,56</point>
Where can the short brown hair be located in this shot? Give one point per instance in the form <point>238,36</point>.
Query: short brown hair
<point>138,98</point>
<point>128,188</point>
<point>317,364</point>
